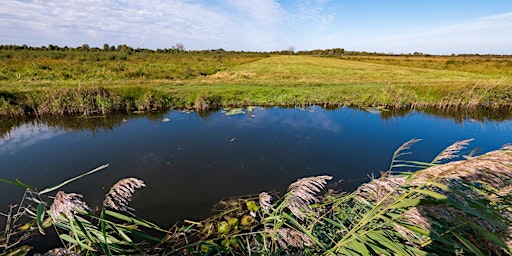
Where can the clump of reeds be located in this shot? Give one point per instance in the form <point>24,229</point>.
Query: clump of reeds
<point>121,193</point>
<point>469,189</point>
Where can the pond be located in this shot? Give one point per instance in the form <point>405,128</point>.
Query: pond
<point>189,160</point>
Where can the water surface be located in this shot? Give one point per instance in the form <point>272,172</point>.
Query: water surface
<point>190,161</point>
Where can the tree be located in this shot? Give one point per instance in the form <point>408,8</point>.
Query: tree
<point>179,47</point>
<point>291,49</point>
<point>84,47</point>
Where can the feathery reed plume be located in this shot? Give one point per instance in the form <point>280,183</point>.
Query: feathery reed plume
<point>292,238</point>
<point>121,193</point>
<point>377,189</point>
<point>66,204</point>
<point>452,151</point>
<point>265,201</point>
<point>301,194</point>
<point>402,149</point>
<point>489,168</point>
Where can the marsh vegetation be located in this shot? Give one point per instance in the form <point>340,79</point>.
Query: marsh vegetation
<point>98,82</point>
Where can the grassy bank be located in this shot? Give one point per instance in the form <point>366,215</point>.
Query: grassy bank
<point>104,82</point>
<point>447,208</point>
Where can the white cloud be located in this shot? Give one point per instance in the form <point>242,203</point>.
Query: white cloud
<point>145,23</point>
<point>491,34</point>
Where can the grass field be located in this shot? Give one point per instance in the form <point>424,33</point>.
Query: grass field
<point>91,83</point>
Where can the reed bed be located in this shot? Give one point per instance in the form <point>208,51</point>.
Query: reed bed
<point>442,207</point>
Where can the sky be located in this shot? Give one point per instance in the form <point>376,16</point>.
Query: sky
<point>392,26</point>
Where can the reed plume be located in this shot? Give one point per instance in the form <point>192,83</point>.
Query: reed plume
<point>402,149</point>
<point>301,194</point>
<point>452,151</point>
<point>66,204</point>
<point>265,203</point>
<point>378,189</point>
<point>288,237</point>
<point>121,193</point>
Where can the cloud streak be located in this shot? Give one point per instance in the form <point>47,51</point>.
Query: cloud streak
<point>482,35</point>
<point>264,25</point>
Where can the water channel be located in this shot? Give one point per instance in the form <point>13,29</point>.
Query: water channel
<point>189,160</point>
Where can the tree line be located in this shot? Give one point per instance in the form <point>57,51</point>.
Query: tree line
<point>180,48</point>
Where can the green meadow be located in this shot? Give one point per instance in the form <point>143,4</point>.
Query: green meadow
<point>36,82</point>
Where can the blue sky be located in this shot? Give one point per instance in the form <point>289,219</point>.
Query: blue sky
<point>393,26</point>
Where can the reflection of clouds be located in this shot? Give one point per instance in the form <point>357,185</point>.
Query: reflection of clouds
<point>24,136</point>
<point>313,118</point>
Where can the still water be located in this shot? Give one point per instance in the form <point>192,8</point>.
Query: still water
<point>190,161</point>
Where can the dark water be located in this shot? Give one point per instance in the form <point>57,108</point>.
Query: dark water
<point>192,161</point>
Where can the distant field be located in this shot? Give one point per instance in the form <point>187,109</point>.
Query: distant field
<point>103,82</point>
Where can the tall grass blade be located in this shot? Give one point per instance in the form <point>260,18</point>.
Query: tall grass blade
<point>50,189</point>
<point>469,246</point>
<point>130,219</point>
<point>17,183</point>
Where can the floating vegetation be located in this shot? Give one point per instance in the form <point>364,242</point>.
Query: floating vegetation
<point>233,111</point>
<point>375,110</point>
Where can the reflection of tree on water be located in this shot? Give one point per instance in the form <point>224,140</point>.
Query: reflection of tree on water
<point>456,114</point>
<point>93,124</point>
<point>107,123</point>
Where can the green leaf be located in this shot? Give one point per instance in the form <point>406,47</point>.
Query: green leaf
<point>71,180</point>
<point>347,251</point>
<point>120,232</point>
<point>440,185</point>
<point>304,230</point>
<point>17,183</point>
<point>489,235</point>
<point>469,210</point>
<point>468,244</point>
<point>358,247</point>
<point>41,210</point>
<point>431,193</point>
<point>144,236</point>
<point>130,219</point>
<point>84,231</point>
<point>68,238</point>
<point>406,203</point>
<point>386,242</point>
<point>416,229</point>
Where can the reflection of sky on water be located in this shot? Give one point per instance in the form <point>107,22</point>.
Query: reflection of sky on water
<point>24,136</point>
<point>291,119</point>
